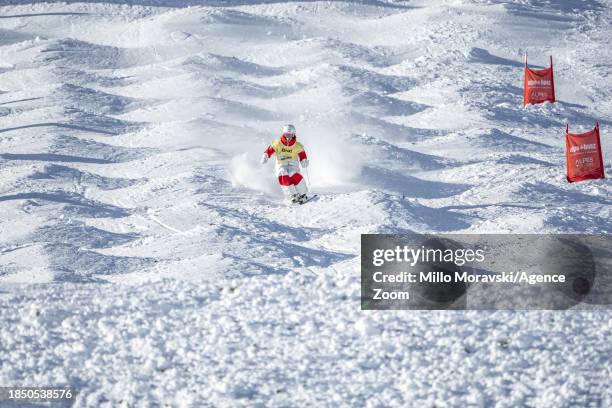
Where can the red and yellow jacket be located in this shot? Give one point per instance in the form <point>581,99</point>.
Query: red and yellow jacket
<point>286,151</point>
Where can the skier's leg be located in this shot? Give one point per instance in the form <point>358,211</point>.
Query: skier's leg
<point>300,184</point>
<point>284,180</point>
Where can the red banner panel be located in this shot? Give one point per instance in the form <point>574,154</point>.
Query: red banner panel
<point>583,155</point>
<point>539,85</point>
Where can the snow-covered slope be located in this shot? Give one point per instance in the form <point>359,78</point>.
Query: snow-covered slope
<point>146,256</point>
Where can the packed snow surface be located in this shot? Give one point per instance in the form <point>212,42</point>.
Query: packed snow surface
<point>147,258</point>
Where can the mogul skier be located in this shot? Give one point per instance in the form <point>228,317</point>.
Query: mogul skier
<point>290,156</point>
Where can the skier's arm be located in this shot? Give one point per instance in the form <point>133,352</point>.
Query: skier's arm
<point>303,158</point>
<point>267,154</point>
<point>269,151</point>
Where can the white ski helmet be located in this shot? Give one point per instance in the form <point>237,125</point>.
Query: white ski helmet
<point>289,130</point>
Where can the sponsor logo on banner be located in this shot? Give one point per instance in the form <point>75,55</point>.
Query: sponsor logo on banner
<point>539,82</point>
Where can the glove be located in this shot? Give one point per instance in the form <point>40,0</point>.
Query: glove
<point>264,159</point>
<point>304,163</point>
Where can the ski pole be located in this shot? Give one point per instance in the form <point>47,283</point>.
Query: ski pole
<point>308,180</point>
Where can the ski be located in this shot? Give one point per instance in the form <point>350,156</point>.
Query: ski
<point>308,199</point>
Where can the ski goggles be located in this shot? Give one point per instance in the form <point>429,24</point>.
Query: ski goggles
<point>289,135</point>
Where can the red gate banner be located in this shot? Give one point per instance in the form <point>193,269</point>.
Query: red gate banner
<point>583,155</point>
<point>539,84</point>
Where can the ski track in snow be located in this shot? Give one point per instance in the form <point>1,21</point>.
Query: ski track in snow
<point>146,257</point>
